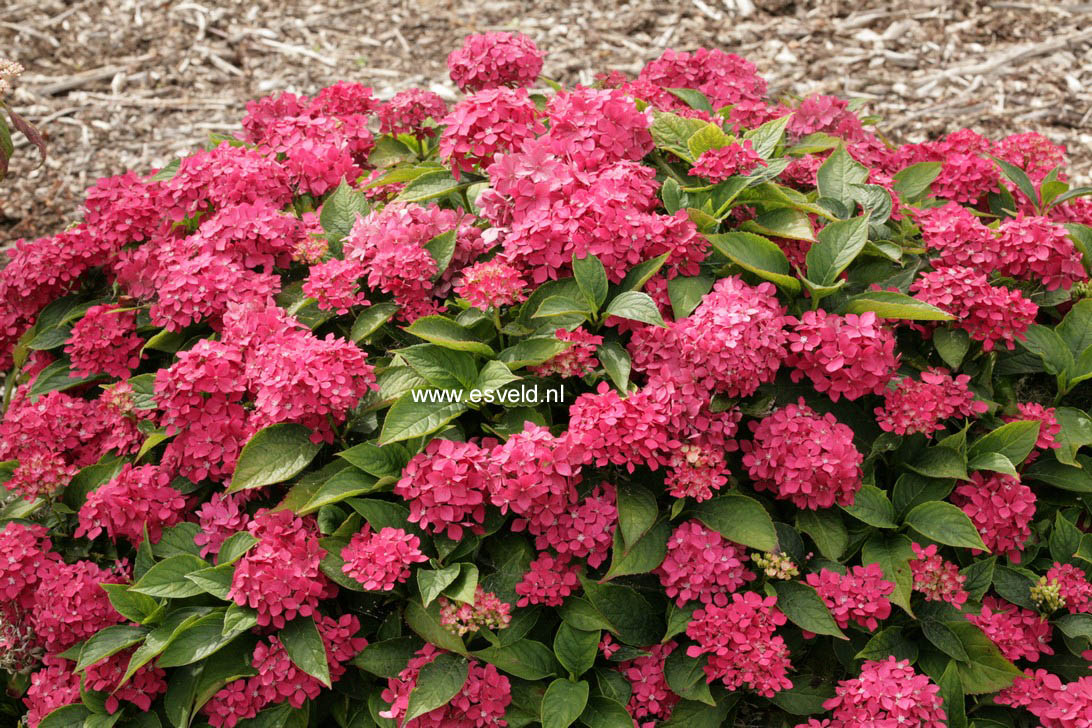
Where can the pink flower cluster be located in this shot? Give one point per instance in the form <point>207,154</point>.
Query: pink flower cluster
<point>407,112</point>
<point>489,123</point>
<point>447,487</point>
<point>886,693</point>
<point>702,565</point>
<point>104,341</point>
<point>1073,587</point>
<point>334,286</point>
<point>24,557</point>
<point>280,577</point>
<point>652,698</point>
<point>495,59</point>
<point>381,559</point>
<point>218,518</point>
<point>1049,428</point>
<point>55,685</point>
<point>990,314</point>
<point>1054,703</point>
<point>740,643</point>
<point>845,356</point>
<point>485,612</point>
<point>922,405</point>
<point>724,78</point>
<point>1001,508</point>
<point>802,457</point>
<point>69,606</point>
<point>480,702</point>
<point>859,595</point>
<point>937,579</point>
<point>135,499</point>
<point>577,360</point>
<point>1018,633</point>
<point>549,580</point>
<point>143,686</point>
<point>492,284</point>
<point>720,163</point>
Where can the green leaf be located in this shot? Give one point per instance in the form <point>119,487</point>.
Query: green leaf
<point>838,174</point>
<point>448,334</point>
<point>215,580</point>
<point>951,692</point>
<point>672,195</point>
<point>426,623</point>
<point>433,582</point>
<point>640,556</point>
<point>1075,330</point>
<point>575,648</point>
<point>686,677</point>
<point>995,462</point>
<point>764,139</point>
<point>805,608</point>
<point>1014,586</point>
<point>561,306</point>
<point>1076,432</point>
<point>872,506</point>
<point>944,523</point>
<point>196,641</point>
<point>671,132</point>
<point>56,378</point>
<point>941,462</point>
<point>1049,347</point>
<point>234,547</point>
<point>1014,440</point>
<point>629,614</point>
<point>168,578</point>
<point>67,716</point>
<point>1065,539</point>
<point>526,659</point>
<point>389,657</point>
<point>438,682</point>
<point>708,137</point>
<point>339,211</point>
<point>1020,178</point>
<point>740,519</point>
<point>177,539</point>
<point>914,181</point>
<point>108,641</point>
<point>640,274</point>
<point>133,606</point>
<point>616,362</point>
<point>692,714</point>
<point>441,248</point>
<point>944,639</point>
<point>979,577</point>
<point>378,461</point>
<point>637,511</point>
<point>783,222</point>
<point>407,419</point>
<point>758,255</point>
<point>591,277</point>
<point>563,703</point>
<point>893,305</point>
<point>303,643</point>
<point>952,345</point>
<point>429,187</point>
<point>686,293</point>
<point>604,712</point>
<point>806,696</point>
<point>893,553</point>
<point>1065,477</point>
<point>635,306</point>
<point>532,351</point>
<point>1075,625</point>
<point>889,641</point>
<point>827,531</point>
<point>986,671</point>
<point>442,368</point>
<point>273,455</point>
<point>370,319</point>
<point>839,244</point>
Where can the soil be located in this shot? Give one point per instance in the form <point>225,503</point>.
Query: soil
<point>120,84</point>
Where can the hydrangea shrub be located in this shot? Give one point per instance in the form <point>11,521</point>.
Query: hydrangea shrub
<point>654,403</point>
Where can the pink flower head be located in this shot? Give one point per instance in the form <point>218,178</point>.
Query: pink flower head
<point>803,457</point>
<point>137,498</point>
<point>740,642</point>
<point>123,209</point>
<point>923,405</point>
<point>626,432</point>
<point>597,127</point>
<point>1049,428</point>
<point>495,59</point>
<point>1033,153</point>
<point>407,112</point>
<point>104,341</point>
<point>577,360</point>
<point>280,576</point>
<point>827,114</point>
<point>534,475</point>
<point>583,531</point>
<point>446,487</point>
<point>1073,587</point>
<point>859,595</point>
<point>718,164</point>
<point>53,686</point>
<point>959,237</point>
<point>220,517</point>
<point>724,78</point>
<point>345,98</point>
<point>549,580</point>
<point>652,698</point>
<point>990,314</point>
<point>492,284</point>
<point>70,606</point>
<point>702,565</point>
<point>887,693</point>
<point>699,467</point>
<point>848,356</point>
<point>334,285</point>
<point>24,556</point>
<point>480,703</point>
<point>379,560</point>
<point>1037,249</point>
<point>225,176</point>
<point>937,579</point>
<point>142,688</point>
<point>488,123</point>
<point>485,612</point>
<point>1018,633</point>
<point>1001,508</point>
<point>40,473</point>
